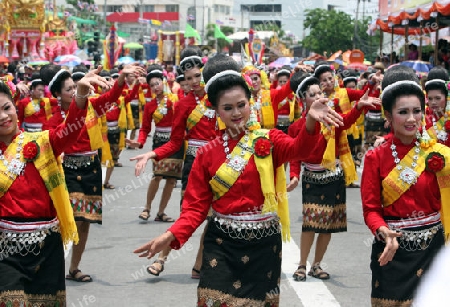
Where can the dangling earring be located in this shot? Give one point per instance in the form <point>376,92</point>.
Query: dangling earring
<point>252,123</point>
<point>426,141</point>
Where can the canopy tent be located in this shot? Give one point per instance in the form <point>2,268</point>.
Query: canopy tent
<point>77,19</point>
<point>420,18</point>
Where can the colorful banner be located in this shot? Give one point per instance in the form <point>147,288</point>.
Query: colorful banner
<point>392,7</point>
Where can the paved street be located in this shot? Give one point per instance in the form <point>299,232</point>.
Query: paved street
<point>120,278</point>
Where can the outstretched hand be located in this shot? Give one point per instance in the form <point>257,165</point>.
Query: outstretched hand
<point>142,162</point>
<point>368,102</point>
<point>154,246</point>
<point>321,112</point>
<point>390,238</point>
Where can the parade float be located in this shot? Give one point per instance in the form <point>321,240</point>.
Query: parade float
<point>170,45</point>
<point>27,33</point>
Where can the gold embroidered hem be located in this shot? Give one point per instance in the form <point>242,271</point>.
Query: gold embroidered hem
<point>381,302</point>
<point>209,297</point>
<point>168,168</point>
<point>324,218</point>
<point>20,298</point>
<point>86,207</point>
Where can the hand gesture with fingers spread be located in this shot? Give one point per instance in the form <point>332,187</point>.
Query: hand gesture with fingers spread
<point>154,246</point>
<point>390,237</point>
<point>368,102</point>
<point>142,162</point>
<point>321,112</point>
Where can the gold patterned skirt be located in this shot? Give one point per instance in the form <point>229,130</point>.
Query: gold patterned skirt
<point>32,274</point>
<point>324,201</point>
<point>84,183</point>
<point>172,166</point>
<point>240,267</point>
<point>395,283</point>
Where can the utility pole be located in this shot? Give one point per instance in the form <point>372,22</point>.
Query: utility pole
<point>356,24</point>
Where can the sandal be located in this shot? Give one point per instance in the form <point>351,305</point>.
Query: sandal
<point>156,268</point>
<point>145,214</point>
<point>109,186</point>
<point>317,272</point>
<point>300,273</point>
<point>195,273</point>
<point>163,218</point>
<point>82,278</point>
<point>118,164</point>
<point>353,185</point>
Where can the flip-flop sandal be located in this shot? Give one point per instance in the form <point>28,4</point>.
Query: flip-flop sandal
<point>152,269</point>
<point>164,218</point>
<point>83,278</point>
<point>145,214</point>
<point>109,186</point>
<point>195,273</point>
<point>118,164</point>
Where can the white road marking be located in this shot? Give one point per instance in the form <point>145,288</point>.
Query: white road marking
<point>313,292</point>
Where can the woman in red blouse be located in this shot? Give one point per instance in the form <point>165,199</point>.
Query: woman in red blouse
<point>159,110</point>
<point>323,189</point>
<point>81,162</point>
<point>36,218</point>
<point>401,190</point>
<point>242,245</point>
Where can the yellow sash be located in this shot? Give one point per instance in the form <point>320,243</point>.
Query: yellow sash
<point>30,110</point>
<point>122,122</point>
<point>197,114</point>
<point>344,102</point>
<point>94,127</point>
<point>393,188</point>
<point>440,125</point>
<point>267,115</point>
<point>275,194</point>
<point>106,149</point>
<point>141,98</point>
<point>345,156</point>
<point>51,172</point>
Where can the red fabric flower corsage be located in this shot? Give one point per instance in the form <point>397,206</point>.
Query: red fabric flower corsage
<point>262,147</point>
<point>42,104</point>
<point>434,162</point>
<point>447,126</point>
<point>337,108</point>
<point>31,151</point>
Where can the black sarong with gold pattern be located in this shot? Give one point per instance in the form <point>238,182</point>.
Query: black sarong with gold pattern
<point>32,271</point>
<point>84,182</point>
<point>395,283</point>
<point>324,201</point>
<point>172,166</point>
<point>241,265</point>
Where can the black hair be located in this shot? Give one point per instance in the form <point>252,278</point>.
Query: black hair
<point>114,73</point>
<point>296,80</point>
<point>284,73</point>
<point>437,73</point>
<point>215,65</point>
<point>78,72</point>
<point>48,72</point>
<point>325,67</point>
<point>396,74</point>
<point>154,74</point>
<point>105,74</point>
<point>36,76</point>
<point>348,79</point>
<point>180,76</point>
<point>4,89</point>
<point>192,62</point>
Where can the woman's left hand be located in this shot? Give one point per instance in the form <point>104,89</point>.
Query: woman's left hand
<point>368,102</point>
<point>321,112</point>
<point>155,246</point>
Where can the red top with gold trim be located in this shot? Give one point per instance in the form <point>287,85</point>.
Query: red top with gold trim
<point>204,130</point>
<point>421,199</point>
<point>37,117</point>
<point>17,202</point>
<point>240,198</point>
<point>149,109</point>
<point>101,104</point>
<point>295,166</point>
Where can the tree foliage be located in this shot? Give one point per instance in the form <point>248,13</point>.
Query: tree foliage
<point>330,31</point>
<point>211,41</point>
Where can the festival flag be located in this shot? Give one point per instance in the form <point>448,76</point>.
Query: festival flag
<point>155,22</point>
<point>219,22</point>
<point>219,34</point>
<point>191,32</point>
<point>190,17</point>
<point>111,49</point>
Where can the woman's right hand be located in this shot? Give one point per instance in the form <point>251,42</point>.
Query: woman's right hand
<point>390,238</point>
<point>293,184</point>
<point>132,143</point>
<point>142,162</point>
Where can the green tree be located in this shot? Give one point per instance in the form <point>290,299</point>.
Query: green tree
<point>368,44</point>
<point>211,41</point>
<point>329,31</point>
